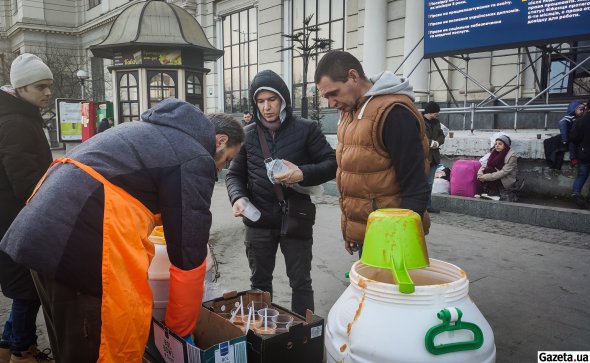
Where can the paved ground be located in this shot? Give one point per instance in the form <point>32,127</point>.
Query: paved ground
<point>531,283</point>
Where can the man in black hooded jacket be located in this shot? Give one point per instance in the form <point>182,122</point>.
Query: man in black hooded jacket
<point>24,158</point>
<point>310,161</point>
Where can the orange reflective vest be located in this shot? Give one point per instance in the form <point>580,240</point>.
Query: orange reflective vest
<point>126,308</point>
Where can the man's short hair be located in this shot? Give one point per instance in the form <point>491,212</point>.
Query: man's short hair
<point>336,64</point>
<point>227,125</point>
<point>247,113</point>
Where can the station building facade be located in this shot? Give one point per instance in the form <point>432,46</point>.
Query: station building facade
<point>383,34</point>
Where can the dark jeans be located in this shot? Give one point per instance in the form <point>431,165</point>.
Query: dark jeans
<point>261,250</point>
<point>72,319</point>
<point>493,187</point>
<point>583,173</point>
<point>20,330</point>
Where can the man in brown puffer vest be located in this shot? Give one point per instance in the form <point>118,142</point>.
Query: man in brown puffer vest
<point>382,150</point>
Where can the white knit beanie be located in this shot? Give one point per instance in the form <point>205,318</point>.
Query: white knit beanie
<point>27,69</point>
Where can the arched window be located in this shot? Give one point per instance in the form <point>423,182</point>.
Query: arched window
<point>162,85</point>
<point>128,96</point>
<point>194,89</point>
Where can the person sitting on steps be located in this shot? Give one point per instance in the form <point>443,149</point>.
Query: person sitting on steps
<point>497,176</point>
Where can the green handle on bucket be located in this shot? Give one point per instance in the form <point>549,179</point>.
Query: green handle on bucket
<point>401,274</point>
<point>394,240</point>
<point>445,315</point>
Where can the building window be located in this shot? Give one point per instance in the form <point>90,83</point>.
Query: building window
<point>240,58</point>
<point>577,83</point>
<point>93,3</point>
<point>128,96</point>
<point>194,89</point>
<point>328,15</point>
<point>162,85</point>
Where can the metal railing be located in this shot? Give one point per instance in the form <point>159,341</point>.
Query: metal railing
<point>472,109</point>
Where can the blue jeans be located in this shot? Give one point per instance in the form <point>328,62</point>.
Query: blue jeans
<point>20,330</point>
<point>583,173</point>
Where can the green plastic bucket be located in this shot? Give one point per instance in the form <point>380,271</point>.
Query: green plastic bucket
<point>394,240</point>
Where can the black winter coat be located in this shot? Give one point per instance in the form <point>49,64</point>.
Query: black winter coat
<point>580,136</point>
<point>299,141</point>
<point>24,158</point>
<point>434,132</point>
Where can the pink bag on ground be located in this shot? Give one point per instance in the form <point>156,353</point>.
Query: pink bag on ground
<point>464,178</point>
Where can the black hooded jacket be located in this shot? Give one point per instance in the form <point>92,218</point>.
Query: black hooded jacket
<point>24,158</point>
<point>298,140</point>
<point>580,136</point>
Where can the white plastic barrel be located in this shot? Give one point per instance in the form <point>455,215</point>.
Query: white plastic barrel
<point>373,322</point>
<point>159,275</point>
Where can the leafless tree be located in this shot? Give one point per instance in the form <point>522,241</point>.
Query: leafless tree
<point>308,45</point>
<point>6,59</point>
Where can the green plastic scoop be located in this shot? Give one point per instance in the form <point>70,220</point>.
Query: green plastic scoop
<point>394,240</point>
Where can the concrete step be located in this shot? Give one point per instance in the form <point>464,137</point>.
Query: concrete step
<point>576,220</point>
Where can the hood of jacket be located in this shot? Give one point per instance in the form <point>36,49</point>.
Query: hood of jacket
<point>270,79</point>
<point>185,117</point>
<point>571,109</point>
<point>386,83</point>
<point>11,105</point>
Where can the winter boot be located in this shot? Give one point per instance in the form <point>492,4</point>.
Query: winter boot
<point>32,355</point>
<point>580,201</point>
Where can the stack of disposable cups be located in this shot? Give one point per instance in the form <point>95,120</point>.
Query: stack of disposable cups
<point>250,211</point>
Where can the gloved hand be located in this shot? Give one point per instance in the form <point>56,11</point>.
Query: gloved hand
<point>189,339</point>
<point>434,144</point>
<point>291,176</point>
<point>574,162</point>
<point>239,206</point>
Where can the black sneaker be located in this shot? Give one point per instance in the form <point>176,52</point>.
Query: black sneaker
<point>433,210</point>
<point>580,201</point>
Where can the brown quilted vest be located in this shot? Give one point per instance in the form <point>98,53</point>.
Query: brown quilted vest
<point>365,177</point>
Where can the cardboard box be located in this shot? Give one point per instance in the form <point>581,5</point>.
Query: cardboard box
<point>303,343</point>
<point>218,341</point>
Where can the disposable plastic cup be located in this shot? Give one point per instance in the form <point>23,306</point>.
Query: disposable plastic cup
<point>279,167</point>
<point>282,319</point>
<point>270,328</point>
<point>268,313</point>
<point>251,212</point>
<point>257,305</point>
<point>283,322</point>
<point>255,322</point>
<point>240,319</point>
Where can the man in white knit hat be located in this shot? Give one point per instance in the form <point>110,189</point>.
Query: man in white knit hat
<point>24,158</point>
